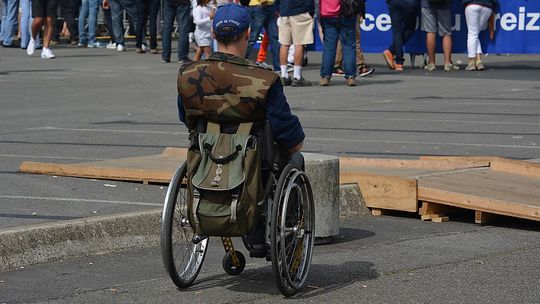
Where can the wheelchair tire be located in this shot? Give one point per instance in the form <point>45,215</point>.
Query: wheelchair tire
<point>229,266</point>
<point>181,257</point>
<point>292,232</point>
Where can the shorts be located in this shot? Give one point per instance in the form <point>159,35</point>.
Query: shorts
<point>44,8</point>
<point>296,30</point>
<point>437,20</point>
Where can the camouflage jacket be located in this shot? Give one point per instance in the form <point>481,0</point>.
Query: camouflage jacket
<point>224,88</point>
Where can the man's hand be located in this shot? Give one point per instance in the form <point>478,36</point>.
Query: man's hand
<point>105,4</point>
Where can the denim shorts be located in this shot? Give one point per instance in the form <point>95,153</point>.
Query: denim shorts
<point>437,20</point>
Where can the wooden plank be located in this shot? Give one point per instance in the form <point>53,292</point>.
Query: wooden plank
<point>516,167</point>
<point>387,192</point>
<point>440,219</point>
<point>377,212</point>
<point>484,159</point>
<point>151,168</point>
<point>479,203</point>
<point>499,186</point>
<point>482,218</point>
<point>348,162</point>
<point>432,209</point>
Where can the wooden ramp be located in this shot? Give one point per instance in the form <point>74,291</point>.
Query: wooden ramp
<point>152,168</point>
<point>434,187</point>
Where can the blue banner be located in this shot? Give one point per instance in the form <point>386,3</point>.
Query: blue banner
<point>517,29</point>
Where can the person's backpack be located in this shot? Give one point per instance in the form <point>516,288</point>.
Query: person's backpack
<point>224,182</point>
<point>350,8</point>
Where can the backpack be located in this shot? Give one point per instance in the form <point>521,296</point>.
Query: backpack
<point>349,8</point>
<point>224,182</point>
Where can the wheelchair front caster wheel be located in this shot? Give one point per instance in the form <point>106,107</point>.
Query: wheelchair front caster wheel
<point>232,268</point>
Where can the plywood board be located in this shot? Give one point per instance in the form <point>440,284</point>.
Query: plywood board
<point>385,192</point>
<point>152,168</point>
<point>487,191</point>
<point>347,163</point>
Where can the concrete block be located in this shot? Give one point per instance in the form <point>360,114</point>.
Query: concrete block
<point>351,202</point>
<point>323,173</point>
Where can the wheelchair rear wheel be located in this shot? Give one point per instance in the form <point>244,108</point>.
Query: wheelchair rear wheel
<point>292,230</point>
<point>181,257</point>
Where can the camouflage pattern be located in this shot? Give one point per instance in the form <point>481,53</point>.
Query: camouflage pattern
<point>224,88</point>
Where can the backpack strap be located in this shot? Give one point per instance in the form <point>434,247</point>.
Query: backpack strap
<point>244,128</point>
<point>212,127</point>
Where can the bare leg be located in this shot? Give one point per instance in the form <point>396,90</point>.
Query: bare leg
<point>48,32</point>
<point>283,54</point>
<point>198,54</point>
<point>207,52</point>
<point>430,45</point>
<point>36,26</point>
<point>298,54</point>
<point>447,49</point>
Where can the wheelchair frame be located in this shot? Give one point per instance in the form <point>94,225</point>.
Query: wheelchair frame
<point>289,235</point>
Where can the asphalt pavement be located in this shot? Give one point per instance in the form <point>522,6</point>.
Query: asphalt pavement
<point>91,104</point>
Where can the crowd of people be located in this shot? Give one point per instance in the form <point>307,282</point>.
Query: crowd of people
<point>288,28</point>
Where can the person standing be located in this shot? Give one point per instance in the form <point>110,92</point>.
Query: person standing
<point>295,28</point>
<point>44,13</point>
<point>437,19</point>
<point>117,13</point>
<point>147,10</point>
<point>203,30</point>
<point>336,26</point>
<point>10,22</point>
<point>403,15</point>
<point>179,9</point>
<point>477,13</point>
<point>90,10</point>
<point>26,24</point>
<point>68,11</point>
<point>264,14</point>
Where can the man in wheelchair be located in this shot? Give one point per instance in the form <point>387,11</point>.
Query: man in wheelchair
<point>244,170</point>
<point>229,89</point>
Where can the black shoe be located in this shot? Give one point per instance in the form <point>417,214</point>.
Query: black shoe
<point>364,70</point>
<point>286,81</point>
<point>301,83</point>
<point>12,45</point>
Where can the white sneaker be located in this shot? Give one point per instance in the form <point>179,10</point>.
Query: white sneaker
<point>47,54</point>
<point>120,48</point>
<point>95,45</point>
<point>111,46</point>
<point>144,48</point>
<point>31,47</point>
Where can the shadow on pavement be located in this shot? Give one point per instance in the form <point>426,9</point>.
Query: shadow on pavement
<point>32,71</point>
<point>323,278</point>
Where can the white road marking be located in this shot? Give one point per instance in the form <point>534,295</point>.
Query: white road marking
<point>107,130</point>
<point>423,120</point>
<point>421,143</point>
<point>78,200</point>
<point>48,157</point>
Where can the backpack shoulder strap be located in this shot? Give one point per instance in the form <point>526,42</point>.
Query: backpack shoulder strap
<point>244,128</point>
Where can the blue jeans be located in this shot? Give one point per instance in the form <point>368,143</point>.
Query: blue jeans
<point>10,21</point>
<point>181,12</point>
<point>403,25</point>
<point>264,16</point>
<point>345,30</point>
<point>89,9</point>
<point>26,22</point>
<point>117,13</point>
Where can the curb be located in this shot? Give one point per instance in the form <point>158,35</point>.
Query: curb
<point>108,234</point>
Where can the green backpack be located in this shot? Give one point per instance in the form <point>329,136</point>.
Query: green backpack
<point>224,182</point>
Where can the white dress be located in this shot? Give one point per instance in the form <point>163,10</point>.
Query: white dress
<point>201,18</point>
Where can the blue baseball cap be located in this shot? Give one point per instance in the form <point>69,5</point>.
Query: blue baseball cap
<point>230,20</point>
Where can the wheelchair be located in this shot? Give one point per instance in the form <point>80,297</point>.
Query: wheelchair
<point>285,216</point>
